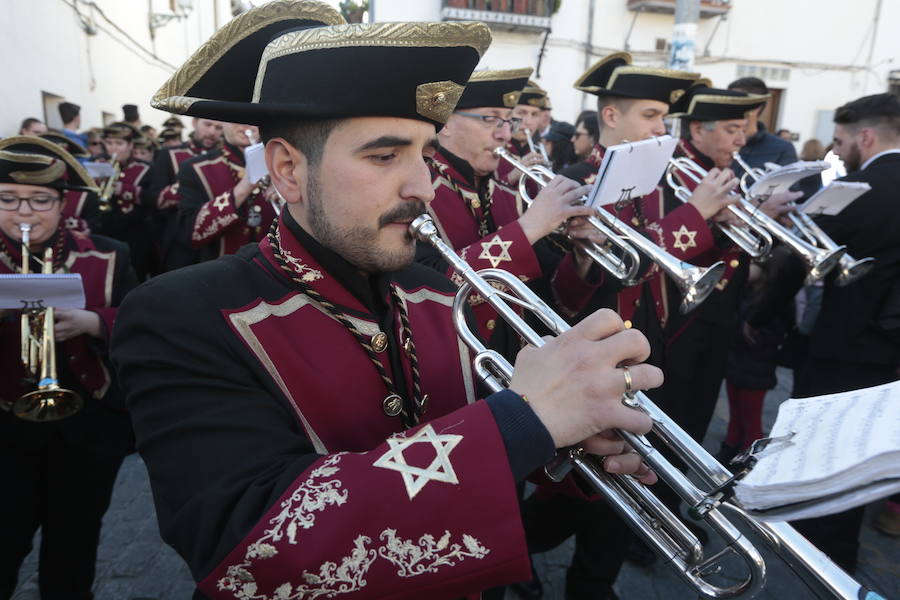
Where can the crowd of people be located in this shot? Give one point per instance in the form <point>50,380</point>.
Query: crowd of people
<point>283,352</point>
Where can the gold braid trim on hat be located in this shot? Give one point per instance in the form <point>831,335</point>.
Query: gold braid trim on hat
<point>410,35</point>
<point>55,149</point>
<point>614,56</point>
<point>653,71</point>
<point>170,96</point>
<point>501,75</point>
<point>729,100</point>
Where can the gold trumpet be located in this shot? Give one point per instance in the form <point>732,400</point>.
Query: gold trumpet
<point>694,283</point>
<point>49,402</point>
<point>109,186</point>
<point>850,269</point>
<point>642,510</point>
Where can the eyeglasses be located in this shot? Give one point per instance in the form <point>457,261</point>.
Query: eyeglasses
<point>39,203</point>
<point>494,121</point>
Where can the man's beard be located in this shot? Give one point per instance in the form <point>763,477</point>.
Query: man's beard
<point>357,244</point>
<point>854,160</point>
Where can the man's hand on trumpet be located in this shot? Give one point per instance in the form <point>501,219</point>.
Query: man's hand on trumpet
<point>558,202</point>
<point>778,206</point>
<point>578,228</point>
<point>576,382</point>
<point>713,195</point>
<point>529,160</point>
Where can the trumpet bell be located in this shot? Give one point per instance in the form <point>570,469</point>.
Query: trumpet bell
<point>824,261</point>
<point>852,270</point>
<point>698,284</point>
<point>51,403</point>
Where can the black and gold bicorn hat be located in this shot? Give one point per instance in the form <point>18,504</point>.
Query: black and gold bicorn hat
<point>702,102</point>
<point>408,70</point>
<point>494,88</point>
<point>32,160</point>
<point>614,75</point>
<point>72,147</point>
<point>121,131</point>
<point>172,122</point>
<point>533,95</point>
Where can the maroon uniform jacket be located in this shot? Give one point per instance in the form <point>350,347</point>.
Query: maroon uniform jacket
<point>127,219</point>
<point>481,224</point>
<point>107,276</point>
<point>678,229</point>
<point>504,168</point>
<point>164,186</point>
<point>277,472</point>
<point>208,219</point>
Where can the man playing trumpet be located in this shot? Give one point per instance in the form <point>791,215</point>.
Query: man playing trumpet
<point>308,417</point>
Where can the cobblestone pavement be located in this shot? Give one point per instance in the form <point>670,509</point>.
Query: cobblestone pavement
<point>135,564</point>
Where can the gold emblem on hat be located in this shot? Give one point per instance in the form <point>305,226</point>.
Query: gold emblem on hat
<point>379,342</point>
<point>437,99</point>
<point>510,99</point>
<point>675,96</point>
<point>392,405</point>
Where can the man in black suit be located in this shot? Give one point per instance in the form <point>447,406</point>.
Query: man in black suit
<point>855,342</point>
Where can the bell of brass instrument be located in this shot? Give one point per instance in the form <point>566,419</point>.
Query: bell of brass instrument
<point>49,402</point>
<point>109,186</point>
<point>624,268</point>
<point>643,511</point>
<point>694,283</point>
<point>850,269</point>
<point>750,237</point>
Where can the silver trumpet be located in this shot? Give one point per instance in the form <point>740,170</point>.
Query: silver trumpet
<point>624,268</point>
<point>850,269</point>
<point>539,147</point>
<point>751,237</point>
<point>643,511</point>
<point>694,283</point>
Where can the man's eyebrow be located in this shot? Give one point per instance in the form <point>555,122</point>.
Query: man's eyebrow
<point>385,141</point>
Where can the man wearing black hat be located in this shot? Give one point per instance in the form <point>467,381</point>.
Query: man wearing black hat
<point>528,111</point>
<point>80,208</point>
<point>169,138</point>
<point>713,123</point>
<point>484,220</point>
<point>58,474</point>
<point>307,415</point>
<point>124,214</point>
<point>130,115</point>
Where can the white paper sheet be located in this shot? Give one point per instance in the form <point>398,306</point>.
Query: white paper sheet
<point>99,170</point>
<point>836,197</point>
<point>41,291</point>
<point>780,180</point>
<point>631,170</point>
<point>255,159</point>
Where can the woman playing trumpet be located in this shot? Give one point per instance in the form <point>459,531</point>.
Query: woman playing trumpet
<point>59,473</point>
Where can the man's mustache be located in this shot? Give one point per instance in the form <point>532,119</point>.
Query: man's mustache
<point>405,212</point>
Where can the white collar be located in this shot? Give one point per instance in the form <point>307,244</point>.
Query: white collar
<point>879,155</point>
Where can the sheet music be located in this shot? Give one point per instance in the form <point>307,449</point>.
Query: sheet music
<point>255,159</point>
<point>40,291</point>
<point>781,180</point>
<point>842,444</point>
<point>631,170</point>
<point>99,170</point>
<point>836,197</point>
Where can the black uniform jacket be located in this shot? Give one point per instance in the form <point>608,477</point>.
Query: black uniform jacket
<point>273,463</point>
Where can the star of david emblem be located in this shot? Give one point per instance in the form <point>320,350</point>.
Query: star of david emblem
<point>221,201</point>
<point>416,478</point>
<point>496,259</point>
<point>684,238</point>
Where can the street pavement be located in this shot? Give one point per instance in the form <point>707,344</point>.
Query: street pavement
<point>135,564</point>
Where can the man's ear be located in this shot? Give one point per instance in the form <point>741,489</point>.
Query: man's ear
<point>609,116</point>
<point>288,170</point>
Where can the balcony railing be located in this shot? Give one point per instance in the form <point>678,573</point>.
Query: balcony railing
<point>531,15</point>
<point>708,8</point>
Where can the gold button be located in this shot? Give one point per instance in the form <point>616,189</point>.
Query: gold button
<point>379,342</point>
<point>439,97</point>
<point>734,263</point>
<point>627,324</point>
<point>491,324</point>
<point>476,203</point>
<point>392,405</point>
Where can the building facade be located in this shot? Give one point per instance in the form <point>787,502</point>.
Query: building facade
<point>814,55</point>
<point>99,54</point>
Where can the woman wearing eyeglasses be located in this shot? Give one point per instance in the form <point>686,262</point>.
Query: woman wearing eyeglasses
<point>58,474</point>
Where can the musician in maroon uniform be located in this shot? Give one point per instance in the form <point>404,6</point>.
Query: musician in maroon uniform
<point>163,192</point>
<point>80,209</point>
<point>528,111</point>
<point>127,217</point>
<point>309,420</point>
<point>58,474</point>
<point>484,220</point>
<point>713,123</point>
